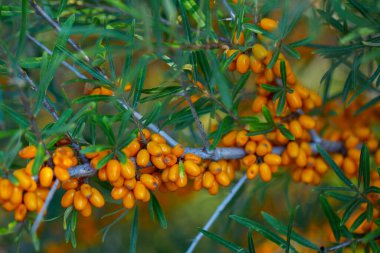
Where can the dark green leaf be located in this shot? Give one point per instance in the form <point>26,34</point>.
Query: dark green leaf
<point>364,168</point>
<point>251,246</point>
<point>285,132</point>
<point>229,245</point>
<point>268,116</point>
<point>158,211</point>
<point>134,231</point>
<point>137,89</point>
<point>274,58</point>
<point>23,28</point>
<point>369,104</point>
<point>39,159</point>
<point>20,120</point>
<point>333,219</point>
<point>102,162</point>
<point>93,98</point>
<point>350,209</point>
<point>290,228</point>
<point>271,88</point>
<point>223,127</point>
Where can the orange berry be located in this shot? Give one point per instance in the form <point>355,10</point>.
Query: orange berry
<point>113,170</point>
<point>142,158</point>
<point>250,147</point>
<point>149,181</point>
<point>87,211</point>
<point>30,201</point>
<point>307,176</point>
<point>252,171</point>
<point>307,122</point>
<point>363,133</point>
<point>42,193</point>
<point>102,174</point>
<point>263,148</point>
<point>349,166</point>
<point>181,181</point>
<point>24,179</point>
<point>259,51</point>
<point>86,190</point>
<point>354,154</point>
<point>301,91</point>
<point>118,192</point>
<point>173,173</point>
<point>130,183</point>
<point>105,91</point>
<point>158,138</point>
<point>6,189</point>
<point>294,100</point>
<point>192,168</point>
<point>96,198</point>
<point>194,158</point>
<point>272,159</point>
<point>229,139</point>
<point>320,166</point>
<point>351,142</point>
<point>269,76</point>
<point>154,148</point>
<point>242,138</point>
<point>28,152</point>
<point>285,158</point>
<point>293,149</point>
<point>20,212</point>
<point>16,197</point>
<point>61,173</point>
<point>268,24</point>
<point>223,179</point>
<point>248,160</point>
<point>305,146</point>
<point>256,65</point>
<point>372,144</point>
<point>296,129</point>
<point>208,180</point>
<point>242,64</point>
<point>178,150</point>
<point>71,183</point>
<point>80,201</point>
<point>146,134</point>
<point>377,156</point>
<point>214,189</point>
<point>258,103</point>
<point>170,159</point>
<point>68,198</point>
<point>197,184</point>
<point>46,176</point>
<point>265,172</point>
<point>128,169</point>
<point>139,191</point>
<point>159,162</point>
<point>338,159</point>
<point>230,52</point>
<point>240,40</point>
<point>132,148</point>
<point>129,200</point>
<point>8,206</point>
<point>215,168</point>
<point>118,183</point>
<point>301,159</point>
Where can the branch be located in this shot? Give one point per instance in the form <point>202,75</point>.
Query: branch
<point>344,244</point>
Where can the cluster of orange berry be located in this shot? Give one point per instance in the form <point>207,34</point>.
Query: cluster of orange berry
<point>105,91</point>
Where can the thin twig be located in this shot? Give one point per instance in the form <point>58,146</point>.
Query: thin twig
<point>44,208</point>
<point>195,116</point>
<point>218,211</point>
<point>344,244</point>
<point>229,9</point>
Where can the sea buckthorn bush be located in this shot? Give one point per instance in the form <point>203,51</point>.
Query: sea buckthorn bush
<point>132,113</point>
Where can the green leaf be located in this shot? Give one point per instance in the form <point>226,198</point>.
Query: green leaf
<point>262,230</point>
<point>134,231</point>
<point>368,105</point>
<point>335,167</point>
<point>106,229</point>
<point>240,84</point>
<point>281,103</point>
<point>258,30</point>
<point>350,209</point>
<point>291,51</point>
<point>94,148</point>
<point>23,28</point>
<point>251,246</point>
<point>194,11</point>
<point>271,88</point>
<point>137,89</point>
<point>185,21</point>
<point>223,127</point>
<point>358,221</point>
<point>281,228</point>
<point>274,58</point>
<point>93,98</point>
<point>332,217</point>
<point>285,132</point>
<point>102,162</point>
<point>290,228</point>
<point>20,120</point>
<point>364,168</point>
<point>283,73</point>
<point>158,211</point>
<point>227,244</point>
<point>267,115</point>
<point>152,115</point>
<point>36,242</point>
<point>39,159</point>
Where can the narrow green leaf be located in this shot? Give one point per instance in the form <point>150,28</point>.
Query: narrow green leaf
<point>268,116</point>
<point>332,217</point>
<point>251,246</point>
<point>227,244</point>
<point>240,84</point>
<point>94,148</point>
<point>368,105</point>
<point>93,98</point>
<point>274,58</point>
<point>17,117</point>
<point>364,168</point>
<point>106,229</point>
<point>23,28</point>
<point>290,228</point>
<point>134,231</point>
<point>137,88</point>
<point>335,167</point>
<point>158,211</point>
<point>291,51</point>
<point>39,159</point>
<point>281,103</point>
<point>359,220</point>
<point>285,132</point>
<point>222,128</point>
<point>350,209</point>
<point>185,22</point>
<point>271,88</point>
<point>102,162</point>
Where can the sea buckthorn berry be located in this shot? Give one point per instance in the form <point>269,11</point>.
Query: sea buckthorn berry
<point>265,172</point>
<point>258,103</point>
<point>250,147</point>
<point>338,159</point>
<point>139,191</point>
<point>197,183</point>
<point>142,158</point>
<point>256,65</point>
<point>86,190</point>
<point>146,134</point>
<point>305,146</point>
<point>372,144</point>
<point>87,211</point>
<point>154,148</point>
<point>118,192</point>
<point>272,159</point>
<point>320,166</point>
<point>307,122</point>
<point>248,160</point>
<point>166,149</point>
<point>351,142</point>
<point>259,137</point>
<point>80,201</point>
<point>263,148</point>
<point>292,149</point>
<point>269,76</point>
<point>214,189</point>
<point>28,168</point>
<point>230,52</point>
<point>295,128</point>
<point>302,91</point>
<point>232,66</point>
<point>181,181</point>
<point>362,133</point>
<point>252,171</point>
<point>128,169</point>
<point>377,156</point>
<point>149,181</point>
<point>159,162</point>
<point>42,193</point>
<point>194,158</point>
<point>173,173</point>
<point>301,159</point>
<point>294,100</point>
<point>129,200</point>
<point>240,40</point>
<point>113,170</point>
<point>105,91</point>
<point>102,174</point>
<point>349,166</point>
<point>130,183</point>
<point>178,150</point>
<point>170,159</point>
<point>24,179</point>
<point>285,158</point>
<point>242,64</point>
<point>354,154</point>
<point>307,176</point>
<point>32,187</point>
<point>229,139</point>
<point>259,51</point>
<point>207,179</point>
<point>132,148</point>
<point>223,179</point>
<point>16,197</point>
<point>8,206</point>
<point>45,176</point>
<point>68,198</point>
<point>268,24</point>
<point>30,201</point>
<point>315,98</point>
<point>158,138</point>
<point>96,198</point>
<point>215,168</point>
<point>118,183</point>
<point>28,152</point>
<point>241,138</point>
<point>71,183</point>
<point>192,168</point>
<point>6,189</point>
<point>20,212</point>
<point>61,173</point>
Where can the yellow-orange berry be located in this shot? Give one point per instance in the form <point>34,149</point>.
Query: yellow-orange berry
<point>223,179</point>
<point>272,159</point>
<point>295,128</point>
<point>139,191</point>
<point>87,211</point>
<point>132,148</point>
<point>28,152</point>
<point>214,189</point>
<point>240,40</point>
<point>45,176</point>
<point>256,65</point>
<point>242,64</point>
<point>6,189</point>
<point>80,201</point>
<point>130,183</point>
<point>113,170</point>
<point>307,175</point>
<point>349,166</point>
<point>258,103</point>
<point>149,181</point>
<point>192,168</point>
<point>208,179</point>
<point>68,198</point>
<point>16,197</point>
<point>293,149</point>
<point>170,159</point>
<point>158,138</point>
<point>229,139</point>
<point>128,169</point>
<point>178,150</point>
<point>181,181</point>
<point>214,168</point>
<point>248,160</point>
<point>20,212</point>
<point>351,142</point>
<point>259,51</point>
<point>61,173</point>
<point>159,162</point>
<point>268,24</point>
<point>129,200</point>
<point>142,158</point>
<point>263,148</point>
<point>301,159</point>
<point>250,147</point>
<point>252,171</point>
<point>241,138</point>
<point>118,192</point>
<point>320,166</point>
<point>173,173</point>
<point>307,122</point>
<point>30,201</point>
<point>102,174</point>
<point>377,156</point>
<point>294,100</point>
<point>24,179</point>
<point>96,198</point>
<point>194,158</point>
<point>86,190</point>
<point>265,172</point>
<point>154,148</point>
